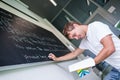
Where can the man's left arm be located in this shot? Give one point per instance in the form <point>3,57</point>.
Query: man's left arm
<point>107,50</point>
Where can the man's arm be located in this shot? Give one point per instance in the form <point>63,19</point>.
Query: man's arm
<point>107,50</point>
<point>68,56</point>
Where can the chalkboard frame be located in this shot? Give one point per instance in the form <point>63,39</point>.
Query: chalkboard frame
<point>22,65</point>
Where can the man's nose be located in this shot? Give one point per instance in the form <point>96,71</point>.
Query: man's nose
<point>76,38</point>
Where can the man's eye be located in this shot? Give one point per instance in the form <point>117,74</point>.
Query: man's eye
<point>74,35</point>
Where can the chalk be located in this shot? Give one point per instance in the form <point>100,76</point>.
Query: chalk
<point>86,63</point>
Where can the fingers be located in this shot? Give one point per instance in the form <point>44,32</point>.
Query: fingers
<point>52,56</point>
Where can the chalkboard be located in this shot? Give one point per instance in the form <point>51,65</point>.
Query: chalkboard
<point>23,42</point>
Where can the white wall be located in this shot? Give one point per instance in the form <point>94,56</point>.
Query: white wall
<point>41,72</point>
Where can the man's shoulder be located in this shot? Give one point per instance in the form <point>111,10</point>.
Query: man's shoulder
<point>96,22</point>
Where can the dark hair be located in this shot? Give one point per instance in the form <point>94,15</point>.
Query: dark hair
<point>69,27</point>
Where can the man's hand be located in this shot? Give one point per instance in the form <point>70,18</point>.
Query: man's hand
<point>52,56</point>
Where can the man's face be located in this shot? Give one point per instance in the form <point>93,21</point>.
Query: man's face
<point>76,33</point>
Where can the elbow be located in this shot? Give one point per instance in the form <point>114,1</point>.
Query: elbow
<point>74,55</point>
<point>112,50</point>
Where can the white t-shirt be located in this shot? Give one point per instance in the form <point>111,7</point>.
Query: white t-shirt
<point>97,31</point>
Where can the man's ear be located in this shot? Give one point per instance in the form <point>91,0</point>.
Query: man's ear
<point>75,25</point>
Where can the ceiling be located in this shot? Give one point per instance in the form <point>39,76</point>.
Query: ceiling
<point>45,8</point>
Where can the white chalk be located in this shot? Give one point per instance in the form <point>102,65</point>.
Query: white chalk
<point>86,63</point>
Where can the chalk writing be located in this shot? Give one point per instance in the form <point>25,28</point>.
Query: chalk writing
<point>24,42</point>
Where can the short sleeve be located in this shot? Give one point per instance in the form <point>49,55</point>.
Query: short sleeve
<point>101,30</point>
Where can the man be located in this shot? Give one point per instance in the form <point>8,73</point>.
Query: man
<point>99,39</point>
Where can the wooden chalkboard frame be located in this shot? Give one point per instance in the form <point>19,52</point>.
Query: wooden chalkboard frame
<point>20,37</point>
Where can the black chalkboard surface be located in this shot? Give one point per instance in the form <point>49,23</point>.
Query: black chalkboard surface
<point>23,42</point>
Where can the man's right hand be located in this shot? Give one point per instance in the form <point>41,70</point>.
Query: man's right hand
<point>52,56</point>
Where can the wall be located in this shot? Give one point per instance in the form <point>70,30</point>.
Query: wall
<point>40,72</point>
<point>115,4</point>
